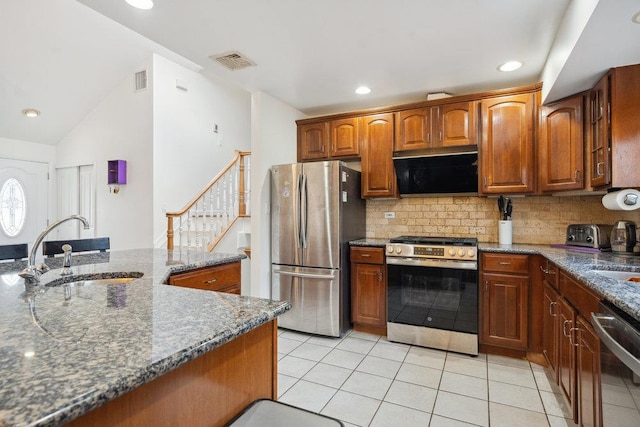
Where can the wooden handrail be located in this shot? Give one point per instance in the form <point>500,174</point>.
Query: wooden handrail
<point>242,207</point>
<point>211,183</point>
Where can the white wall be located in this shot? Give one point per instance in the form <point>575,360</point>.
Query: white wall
<point>187,154</point>
<point>31,151</point>
<point>273,142</point>
<point>120,127</point>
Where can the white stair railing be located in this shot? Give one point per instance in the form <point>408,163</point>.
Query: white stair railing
<point>211,213</point>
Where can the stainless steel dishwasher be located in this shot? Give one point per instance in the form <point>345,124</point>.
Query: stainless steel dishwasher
<point>619,364</point>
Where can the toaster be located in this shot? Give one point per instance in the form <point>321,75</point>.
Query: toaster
<point>589,235</point>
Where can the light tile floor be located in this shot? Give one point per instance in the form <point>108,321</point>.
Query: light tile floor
<point>365,380</point>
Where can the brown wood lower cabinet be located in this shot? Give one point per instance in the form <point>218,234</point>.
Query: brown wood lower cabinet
<point>504,300</point>
<point>206,391</point>
<point>368,289</point>
<point>578,366</point>
<point>220,278</point>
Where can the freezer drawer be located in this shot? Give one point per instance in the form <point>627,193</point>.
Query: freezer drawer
<point>314,294</point>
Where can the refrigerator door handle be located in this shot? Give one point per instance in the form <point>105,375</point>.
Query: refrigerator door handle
<point>297,212</point>
<point>305,275</point>
<point>303,211</point>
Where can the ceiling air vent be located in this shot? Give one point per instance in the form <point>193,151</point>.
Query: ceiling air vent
<point>140,80</point>
<point>233,60</point>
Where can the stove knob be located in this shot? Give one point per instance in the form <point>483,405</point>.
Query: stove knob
<point>398,249</point>
<point>589,239</point>
<point>390,249</point>
<point>570,237</point>
<point>452,251</point>
<point>461,252</point>
<point>471,252</point>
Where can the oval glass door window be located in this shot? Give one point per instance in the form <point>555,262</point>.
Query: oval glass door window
<point>13,207</point>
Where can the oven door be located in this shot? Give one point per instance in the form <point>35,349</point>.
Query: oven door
<point>436,297</point>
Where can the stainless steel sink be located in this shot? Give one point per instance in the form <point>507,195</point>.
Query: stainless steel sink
<point>109,281</point>
<point>619,275</point>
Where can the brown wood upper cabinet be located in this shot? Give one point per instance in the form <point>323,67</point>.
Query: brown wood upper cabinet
<point>446,125</point>
<point>327,140</point>
<point>561,146</point>
<point>507,145</point>
<point>614,129</point>
<point>378,174</point>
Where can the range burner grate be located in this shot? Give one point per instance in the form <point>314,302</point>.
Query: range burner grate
<point>436,240</point>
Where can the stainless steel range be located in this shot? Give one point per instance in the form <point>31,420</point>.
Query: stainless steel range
<point>432,297</point>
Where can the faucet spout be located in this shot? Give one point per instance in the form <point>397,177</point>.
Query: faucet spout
<point>31,274</point>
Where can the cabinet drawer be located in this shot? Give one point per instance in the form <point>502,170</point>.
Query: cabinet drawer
<point>367,255</point>
<point>505,263</point>
<point>221,278</point>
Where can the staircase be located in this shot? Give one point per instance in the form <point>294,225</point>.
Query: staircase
<point>204,221</point>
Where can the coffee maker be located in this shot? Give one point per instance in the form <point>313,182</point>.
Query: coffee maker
<point>623,238</point>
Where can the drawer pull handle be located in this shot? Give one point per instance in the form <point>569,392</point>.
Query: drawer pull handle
<point>564,328</point>
<point>365,255</point>
<point>504,263</point>
<point>208,282</point>
<point>551,311</point>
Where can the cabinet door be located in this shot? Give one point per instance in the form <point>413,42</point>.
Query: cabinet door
<point>506,154</point>
<point>413,129</point>
<point>345,141</point>
<point>550,316</point>
<point>378,175</point>
<point>600,134</point>
<point>505,301</point>
<point>456,124</point>
<point>313,141</point>
<point>561,146</point>
<point>566,353</point>
<point>589,400</point>
<point>368,294</point>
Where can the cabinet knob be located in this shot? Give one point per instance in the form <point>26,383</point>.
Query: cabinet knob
<point>210,281</point>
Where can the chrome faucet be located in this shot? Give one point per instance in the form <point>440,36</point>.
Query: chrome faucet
<point>66,263</point>
<point>32,273</point>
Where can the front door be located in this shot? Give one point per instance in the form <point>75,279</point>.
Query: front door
<point>23,200</point>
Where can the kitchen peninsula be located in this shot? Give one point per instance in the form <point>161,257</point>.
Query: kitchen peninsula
<point>134,353</point>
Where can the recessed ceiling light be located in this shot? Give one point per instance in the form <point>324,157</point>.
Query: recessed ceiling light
<point>636,18</point>
<point>363,90</point>
<point>510,66</point>
<point>31,112</point>
<point>141,4</point>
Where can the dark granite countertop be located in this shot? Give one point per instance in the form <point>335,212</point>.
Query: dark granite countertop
<point>65,350</point>
<point>625,295</point>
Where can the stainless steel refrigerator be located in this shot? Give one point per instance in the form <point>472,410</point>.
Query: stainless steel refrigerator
<point>316,210</point>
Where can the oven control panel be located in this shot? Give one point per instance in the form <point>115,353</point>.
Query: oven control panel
<point>404,250</point>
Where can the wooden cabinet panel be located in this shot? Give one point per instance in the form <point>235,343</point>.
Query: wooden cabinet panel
<point>504,313</point>
<point>589,401</point>
<point>345,140</point>
<point>413,129</point>
<point>369,288</point>
<point>447,125</point>
<point>313,141</point>
<point>599,134</point>
<point>566,353</point>
<point>367,255</point>
<point>378,174</point>
<point>507,263</point>
<point>550,326</point>
<point>561,146</point>
<point>220,278</point>
<point>456,124</point>
<point>507,145</point>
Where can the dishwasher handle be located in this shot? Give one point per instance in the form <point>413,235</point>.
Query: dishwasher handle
<point>600,323</point>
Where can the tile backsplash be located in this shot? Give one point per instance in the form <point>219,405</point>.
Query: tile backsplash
<point>539,220</point>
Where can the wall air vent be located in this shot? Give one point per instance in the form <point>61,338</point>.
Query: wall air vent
<point>140,80</point>
<point>233,60</point>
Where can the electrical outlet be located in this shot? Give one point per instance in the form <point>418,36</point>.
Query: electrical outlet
<point>389,215</point>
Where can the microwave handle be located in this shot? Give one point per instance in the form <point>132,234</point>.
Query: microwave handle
<point>629,360</point>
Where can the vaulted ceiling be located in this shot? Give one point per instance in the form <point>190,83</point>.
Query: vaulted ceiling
<point>64,56</point>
